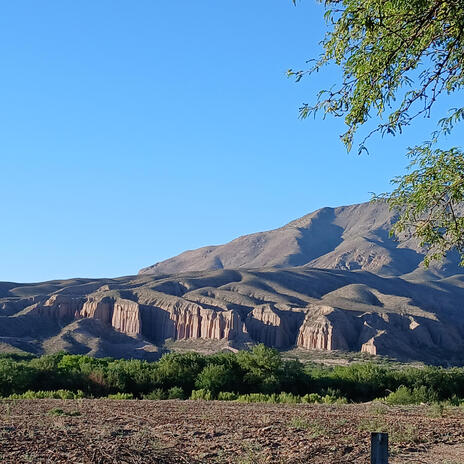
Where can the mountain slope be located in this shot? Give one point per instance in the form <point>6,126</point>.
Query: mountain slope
<point>347,237</point>
<point>303,307</point>
<point>331,280</point>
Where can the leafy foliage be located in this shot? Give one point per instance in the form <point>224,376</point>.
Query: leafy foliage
<point>249,376</point>
<point>430,200</point>
<point>397,58</point>
<point>385,47</point>
<point>214,378</point>
<point>262,366</point>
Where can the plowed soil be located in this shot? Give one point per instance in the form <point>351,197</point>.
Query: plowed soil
<point>165,432</point>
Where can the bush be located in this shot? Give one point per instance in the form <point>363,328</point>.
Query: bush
<point>254,398</point>
<point>288,398</point>
<point>312,398</point>
<point>226,396</point>
<point>176,393</point>
<point>158,394</point>
<point>201,394</point>
<point>332,399</point>
<point>121,396</point>
<point>250,374</point>
<point>16,377</point>
<point>405,395</point>
<point>58,395</point>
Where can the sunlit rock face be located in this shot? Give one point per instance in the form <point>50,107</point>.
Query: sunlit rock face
<point>326,328</point>
<point>57,307</point>
<point>165,317</point>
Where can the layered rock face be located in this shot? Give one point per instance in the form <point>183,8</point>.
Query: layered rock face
<point>165,317</point>
<point>123,315</point>
<point>273,326</point>
<point>58,307</point>
<point>303,307</point>
<point>184,320</point>
<point>326,328</point>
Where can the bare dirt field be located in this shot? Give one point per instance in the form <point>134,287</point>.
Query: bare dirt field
<point>110,431</point>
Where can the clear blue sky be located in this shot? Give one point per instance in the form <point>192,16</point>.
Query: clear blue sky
<point>131,131</point>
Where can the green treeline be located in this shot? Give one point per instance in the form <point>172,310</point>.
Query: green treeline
<point>256,375</point>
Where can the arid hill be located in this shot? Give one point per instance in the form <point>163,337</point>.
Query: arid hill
<point>332,280</point>
<point>348,237</point>
<point>305,307</point>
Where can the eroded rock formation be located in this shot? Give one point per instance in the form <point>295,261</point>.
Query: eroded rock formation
<point>325,328</point>
<point>308,308</point>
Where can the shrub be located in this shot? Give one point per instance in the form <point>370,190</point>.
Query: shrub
<point>332,399</point>
<point>227,396</point>
<point>58,395</point>
<point>158,394</point>
<point>176,393</point>
<point>405,395</point>
<point>121,396</point>
<point>312,398</point>
<point>288,398</point>
<point>260,371</point>
<point>253,398</point>
<point>201,394</point>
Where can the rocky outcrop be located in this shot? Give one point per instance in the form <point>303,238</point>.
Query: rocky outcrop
<point>375,333</point>
<point>99,308</point>
<point>326,328</point>
<point>123,315</point>
<point>205,323</point>
<point>273,327</point>
<point>162,317</point>
<point>126,317</point>
<point>304,307</point>
<point>179,319</point>
<point>59,308</point>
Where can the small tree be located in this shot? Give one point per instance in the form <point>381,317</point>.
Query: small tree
<point>214,378</point>
<point>263,368</point>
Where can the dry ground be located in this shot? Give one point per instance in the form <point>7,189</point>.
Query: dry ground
<point>109,431</point>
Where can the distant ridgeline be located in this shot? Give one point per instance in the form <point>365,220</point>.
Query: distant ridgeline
<point>355,237</point>
<point>368,294</point>
<point>248,376</point>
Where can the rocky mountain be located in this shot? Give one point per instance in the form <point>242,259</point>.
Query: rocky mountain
<point>303,307</point>
<point>332,280</point>
<point>348,237</point>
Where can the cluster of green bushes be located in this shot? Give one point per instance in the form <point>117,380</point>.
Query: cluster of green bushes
<point>418,395</point>
<point>41,394</point>
<point>256,375</point>
<point>282,397</point>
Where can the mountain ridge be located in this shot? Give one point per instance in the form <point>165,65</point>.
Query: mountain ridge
<point>330,280</point>
<point>345,237</point>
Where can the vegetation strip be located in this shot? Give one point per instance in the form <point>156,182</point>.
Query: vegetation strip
<point>259,375</point>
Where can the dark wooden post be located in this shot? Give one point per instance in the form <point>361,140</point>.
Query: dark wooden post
<point>379,448</point>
